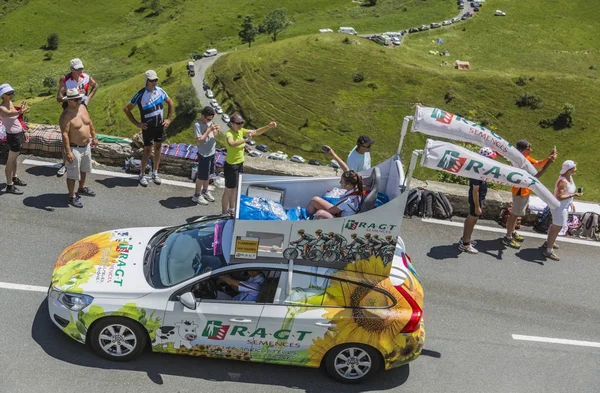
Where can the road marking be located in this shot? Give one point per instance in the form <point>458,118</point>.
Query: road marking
<point>113,174</point>
<point>23,287</point>
<point>556,341</point>
<point>503,231</point>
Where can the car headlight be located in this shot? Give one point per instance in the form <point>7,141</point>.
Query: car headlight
<point>75,301</point>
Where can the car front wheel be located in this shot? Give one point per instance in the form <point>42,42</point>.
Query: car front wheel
<point>352,363</point>
<point>118,338</point>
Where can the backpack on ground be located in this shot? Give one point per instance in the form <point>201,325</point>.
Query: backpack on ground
<point>590,226</point>
<point>412,202</point>
<point>426,204</point>
<point>442,208</point>
<point>543,221</point>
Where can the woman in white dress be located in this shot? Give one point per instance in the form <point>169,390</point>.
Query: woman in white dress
<point>564,191</point>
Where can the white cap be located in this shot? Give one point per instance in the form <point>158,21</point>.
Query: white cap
<point>567,166</point>
<point>76,64</point>
<point>151,75</point>
<point>5,88</point>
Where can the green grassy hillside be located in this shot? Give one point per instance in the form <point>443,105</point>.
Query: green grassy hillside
<point>307,84</point>
<point>306,81</point>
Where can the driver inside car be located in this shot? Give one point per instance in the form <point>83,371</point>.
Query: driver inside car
<point>249,289</point>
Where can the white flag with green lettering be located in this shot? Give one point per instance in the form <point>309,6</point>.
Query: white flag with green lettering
<point>437,122</point>
<point>445,156</point>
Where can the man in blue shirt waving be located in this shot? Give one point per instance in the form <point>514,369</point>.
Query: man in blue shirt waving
<point>359,158</point>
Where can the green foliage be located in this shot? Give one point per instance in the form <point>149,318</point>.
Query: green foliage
<point>187,101</point>
<point>48,56</point>
<point>563,120</point>
<point>276,22</point>
<point>530,101</point>
<point>358,77</point>
<point>52,42</point>
<point>249,31</point>
<point>70,276</point>
<point>156,6</point>
<point>168,72</point>
<point>370,3</point>
<point>49,82</point>
<point>521,81</point>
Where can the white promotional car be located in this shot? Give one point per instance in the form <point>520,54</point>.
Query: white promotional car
<point>338,293</point>
<point>277,156</point>
<point>254,153</point>
<point>225,118</point>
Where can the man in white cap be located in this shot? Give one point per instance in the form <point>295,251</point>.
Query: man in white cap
<point>75,79</point>
<point>150,101</point>
<point>9,118</point>
<point>78,134</point>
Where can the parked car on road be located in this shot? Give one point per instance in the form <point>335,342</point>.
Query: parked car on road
<point>263,148</point>
<point>210,52</point>
<point>500,13</point>
<point>314,162</point>
<point>209,94</point>
<point>476,9</point>
<point>219,110</point>
<point>347,30</point>
<point>225,118</point>
<point>435,25</point>
<point>461,6</point>
<point>254,153</point>
<point>251,142</point>
<point>413,30</point>
<point>299,159</point>
<point>446,23</point>
<point>214,103</point>
<point>455,20</point>
<point>423,28</point>
<point>333,164</point>
<point>277,156</point>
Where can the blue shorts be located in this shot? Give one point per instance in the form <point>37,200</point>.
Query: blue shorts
<point>206,167</point>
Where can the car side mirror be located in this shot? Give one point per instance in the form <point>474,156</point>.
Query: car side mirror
<point>188,300</point>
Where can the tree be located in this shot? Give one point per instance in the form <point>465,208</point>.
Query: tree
<point>187,101</point>
<point>249,31</point>
<point>52,42</point>
<point>276,22</point>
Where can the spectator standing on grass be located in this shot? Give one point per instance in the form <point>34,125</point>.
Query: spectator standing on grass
<point>235,141</point>
<point>520,196</point>
<point>205,131</point>
<point>477,193</point>
<point>359,158</point>
<point>150,101</point>
<point>75,79</point>
<point>564,191</point>
<point>9,116</point>
<point>78,135</point>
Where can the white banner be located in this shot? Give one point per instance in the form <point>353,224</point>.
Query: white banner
<point>436,122</point>
<point>444,156</point>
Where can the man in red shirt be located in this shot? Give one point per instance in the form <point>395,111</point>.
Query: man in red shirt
<point>520,196</point>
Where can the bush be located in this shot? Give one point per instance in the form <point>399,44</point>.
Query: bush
<point>346,41</point>
<point>49,82</point>
<point>187,102</point>
<point>169,72</point>
<point>449,96</point>
<point>358,77</point>
<point>563,120</point>
<point>530,101</point>
<point>521,81</point>
<point>372,86</point>
<point>133,50</point>
<point>284,82</point>
<point>52,41</point>
<point>47,56</point>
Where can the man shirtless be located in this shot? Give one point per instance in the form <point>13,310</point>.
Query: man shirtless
<point>77,131</point>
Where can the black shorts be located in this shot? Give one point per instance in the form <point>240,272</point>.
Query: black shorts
<point>472,207</point>
<point>206,167</point>
<point>153,134</point>
<point>14,141</point>
<point>232,174</point>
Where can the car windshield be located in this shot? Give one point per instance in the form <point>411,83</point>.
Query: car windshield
<point>188,251</point>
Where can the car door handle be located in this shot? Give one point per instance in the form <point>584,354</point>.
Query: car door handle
<point>240,320</point>
<point>324,324</point>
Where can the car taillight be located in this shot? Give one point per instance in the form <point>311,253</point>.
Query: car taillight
<point>415,318</point>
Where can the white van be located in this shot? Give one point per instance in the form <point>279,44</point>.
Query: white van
<point>210,52</point>
<point>347,30</point>
<point>190,66</point>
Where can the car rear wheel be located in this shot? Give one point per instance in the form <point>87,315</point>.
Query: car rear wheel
<point>352,363</point>
<point>118,338</point>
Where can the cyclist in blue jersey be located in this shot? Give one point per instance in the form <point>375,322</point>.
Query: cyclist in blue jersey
<point>150,100</point>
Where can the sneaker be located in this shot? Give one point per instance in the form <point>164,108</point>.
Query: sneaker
<point>86,191</point>
<point>510,242</point>
<point>19,182</point>
<point>199,200</point>
<point>231,212</point>
<point>545,245</point>
<point>517,237</point>
<point>143,181</point>
<point>12,189</point>
<point>157,180</point>
<point>550,255</point>
<point>467,248</point>
<point>61,171</point>
<point>75,201</point>
<point>208,196</point>
<point>473,242</point>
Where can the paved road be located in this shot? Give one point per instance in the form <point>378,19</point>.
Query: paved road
<point>473,306</point>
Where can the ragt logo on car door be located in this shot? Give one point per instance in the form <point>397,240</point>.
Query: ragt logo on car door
<point>215,330</point>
